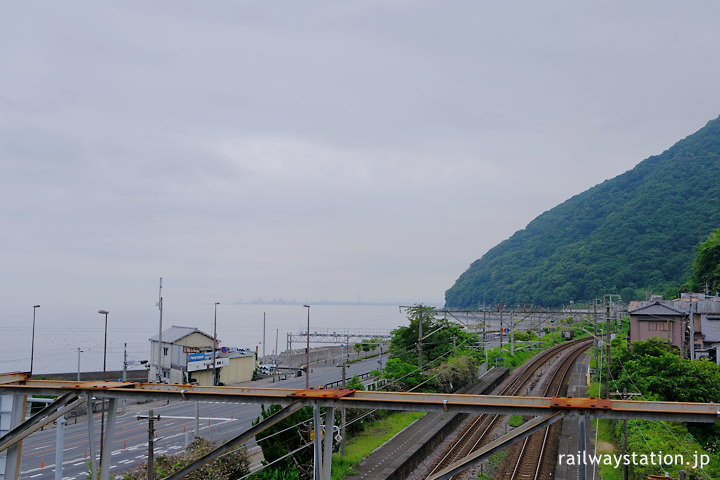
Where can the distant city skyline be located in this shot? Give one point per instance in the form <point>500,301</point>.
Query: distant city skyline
<point>327,301</point>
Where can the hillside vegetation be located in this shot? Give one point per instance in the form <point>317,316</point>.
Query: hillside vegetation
<point>629,234</point>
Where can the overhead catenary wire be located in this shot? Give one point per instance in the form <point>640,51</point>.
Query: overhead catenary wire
<point>370,412</point>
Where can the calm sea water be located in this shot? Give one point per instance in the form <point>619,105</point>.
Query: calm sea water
<point>59,334</point>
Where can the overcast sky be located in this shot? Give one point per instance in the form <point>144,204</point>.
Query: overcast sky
<point>307,150</point>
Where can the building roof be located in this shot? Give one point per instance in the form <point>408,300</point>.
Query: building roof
<point>175,333</point>
<point>659,309</point>
<point>240,352</point>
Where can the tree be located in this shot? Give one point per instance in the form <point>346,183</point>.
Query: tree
<point>367,345</point>
<point>651,367</point>
<point>634,231</point>
<point>706,266</point>
<point>438,337</point>
<point>401,375</point>
<point>232,465</point>
<point>280,439</point>
<point>354,383</point>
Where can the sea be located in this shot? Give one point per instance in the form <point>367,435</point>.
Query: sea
<point>60,333</point>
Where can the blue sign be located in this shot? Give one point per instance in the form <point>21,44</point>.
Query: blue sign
<point>194,357</point>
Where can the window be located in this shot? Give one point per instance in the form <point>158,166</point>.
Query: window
<point>166,374</point>
<point>165,350</point>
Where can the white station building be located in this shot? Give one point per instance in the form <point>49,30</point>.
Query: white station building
<point>186,357</point>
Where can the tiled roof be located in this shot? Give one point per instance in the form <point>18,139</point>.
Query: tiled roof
<point>175,333</point>
<point>658,308</point>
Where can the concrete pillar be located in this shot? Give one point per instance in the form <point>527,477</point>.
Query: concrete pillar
<point>106,454</point>
<point>581,439</point>
<point>197,419</point>
<point>91,437</point>
<point>13,456</point>
<point>317,460</point>
<point>327,454</point>
<point>59,446</point>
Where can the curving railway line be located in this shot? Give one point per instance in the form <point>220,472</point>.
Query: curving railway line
<point>536,458</point>
<point>477,431</point>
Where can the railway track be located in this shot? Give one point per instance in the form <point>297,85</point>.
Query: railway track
<point>477,430</point>
<point>535,459</point>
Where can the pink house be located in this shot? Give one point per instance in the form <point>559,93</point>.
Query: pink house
<point>657,319</point>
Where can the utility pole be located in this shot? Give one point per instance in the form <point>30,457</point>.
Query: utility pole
<point>484,328</point>
<point>607,341</point>
<point>501,331</point>
<point>342,415</point>
<point>151,441</point>
<point>214,380</point>
<point>420,337</point>
<point>78,372</point>
<point>500,307</point>
<point>263,357</point>
<point>124,377</point>
<point>275,355</point>
<point>307,350</point>
<point>595,337</point>
<point>692,330</point>
<point>160,347</point>
<point>288,344</point>
<point>512,334</point>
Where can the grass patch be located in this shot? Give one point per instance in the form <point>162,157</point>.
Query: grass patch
<point>364,443</point>
<point>605,445</point>
<point>593,390</point>
<point>360,359</point>
<point>496,459</point>
<point>515,420</point>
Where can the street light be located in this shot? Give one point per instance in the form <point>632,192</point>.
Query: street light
<point>102,418</point>
<point>215,345</point>
<point>307,351</point>
<point>105,312</point>
<point>32,342</point>
<point>79,352</point>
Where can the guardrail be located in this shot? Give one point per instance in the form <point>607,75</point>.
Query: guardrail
<point>339,382</point>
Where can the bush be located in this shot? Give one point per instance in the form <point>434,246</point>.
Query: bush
<point>452,375</point>
<point>233,465</point>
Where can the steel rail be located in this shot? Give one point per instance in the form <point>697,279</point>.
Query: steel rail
<point>557,383</point>
<point>473,433</point>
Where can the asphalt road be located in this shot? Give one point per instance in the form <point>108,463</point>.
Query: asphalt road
<point>218,422</point>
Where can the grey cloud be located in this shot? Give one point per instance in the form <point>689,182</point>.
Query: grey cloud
<point>281,148</point>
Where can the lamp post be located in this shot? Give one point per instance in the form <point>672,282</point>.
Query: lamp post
<point>79,351</point>
<point>102,417</point>
<point>307,351</point>
<point>215,345</point>
<point>105,312</point>
<point>32,342</point>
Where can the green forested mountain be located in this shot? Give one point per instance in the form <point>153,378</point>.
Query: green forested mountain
<point>634,232</point>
